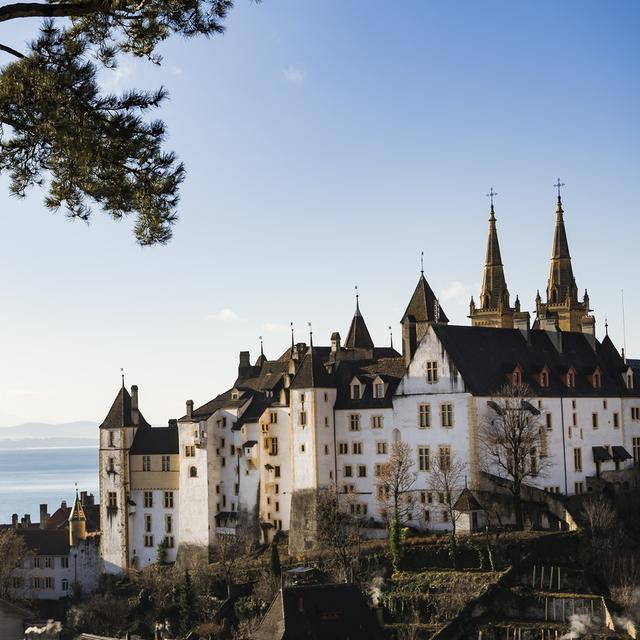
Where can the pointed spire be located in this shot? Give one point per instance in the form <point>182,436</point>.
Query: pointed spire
<point>422,305</point>
<point>494,286</point>
<point>358,336</point>
<point>562,286</point>
<point>77,512</point>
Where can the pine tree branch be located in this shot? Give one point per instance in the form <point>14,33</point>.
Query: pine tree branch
<point>40,10</point>
<point>13,52</point>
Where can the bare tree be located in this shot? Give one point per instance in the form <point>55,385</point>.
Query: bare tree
<point>447,480</point>
<point>510,441</point>
<point>395,496</point>
<point>600,515</point>
<point>340,531</point>
<point>13,551</point>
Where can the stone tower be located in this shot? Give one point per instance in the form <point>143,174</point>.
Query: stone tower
<point>77,523</point>
<point>562,309</point>
<point>494,309</point>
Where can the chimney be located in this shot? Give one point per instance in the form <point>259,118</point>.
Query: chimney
<point>550,325</point>
<point>43,516</point>
<point>26,520</point>
<point>83,498</point>
<point>244,365</point>
<point>14,520</point>
<point>521,322</point>
<point>189,409</point>
<point>173,423</point>
<point>89,500</point>
<point>335,342</point>
<point>588,326</point>
<point>135,414</point>
<point>63,504</point>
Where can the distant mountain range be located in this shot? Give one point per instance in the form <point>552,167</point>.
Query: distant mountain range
<point>31,435</point>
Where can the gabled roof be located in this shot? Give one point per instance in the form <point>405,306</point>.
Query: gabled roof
<point>312,373</point>
<point>482,355</point>
<point>120,413</point>
<point>467,502</point>
<point>155,440</point>
<point>358,336</point>
<point>422,305</point>
<point>317,612</point>
<point>390,370</point>
<point>46,542</point>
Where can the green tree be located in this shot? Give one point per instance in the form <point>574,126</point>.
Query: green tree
<point>187,604</point>
<point>87,148</point>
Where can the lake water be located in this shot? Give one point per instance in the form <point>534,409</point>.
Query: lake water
<point>29,477</point>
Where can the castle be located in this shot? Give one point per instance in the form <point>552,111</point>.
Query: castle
<point>326,416</point>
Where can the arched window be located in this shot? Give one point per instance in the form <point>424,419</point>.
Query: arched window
<point>193,472</point>
<point>571,379</point>
<point>396,435</point>
<point>544,379</point>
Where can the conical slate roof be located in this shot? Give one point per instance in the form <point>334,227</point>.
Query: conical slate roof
<point>312,373</point>
<point>423,303</point>
<point>358,336</point>
<point>120,413</point>
<point>77,513</point>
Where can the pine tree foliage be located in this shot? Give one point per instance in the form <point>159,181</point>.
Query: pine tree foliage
<point>84,147</point>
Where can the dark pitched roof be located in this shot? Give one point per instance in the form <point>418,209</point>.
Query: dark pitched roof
<point>120,413</point>
<point>390,370</point>
<point>154,440</point>
<point>312,373</point>
<point>484,356</point>
<point>59,519</point>
<point>253,412</point>
<point>319,612</point>
<point>46,542</point>
<point>358,336</point>
<point>467,502</point>
<point>422,305</point>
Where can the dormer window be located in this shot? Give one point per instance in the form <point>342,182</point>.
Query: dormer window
<point>234,394</point>
<point>431,371</point>
<point>544,379</point>
<point>571,378</point>
<point>516,375</point>
<point>596,380</point>
<point>378,388</point>
<point>629,378</point>
<point>356,389</point>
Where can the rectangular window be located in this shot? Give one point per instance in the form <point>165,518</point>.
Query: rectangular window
<point>273,446</point>
<point>616,420</point>
<point>168,499</point>
<point>147,523</point>
<point>574,419</point>
<point>427,515</point>
<point>579,487</point>
<point>148,499</point>
<point>577,460</point>
<point>326,449</point>
<point>377,470</point>
<point>35,562</point>
<point>273,417</point>
<point>303,448</point>
<point>635,413</point>
<point>635,442</point>
<point>48,562</point>
<point>326,421</point>
<point>146,463</point>
<point>64,562</point>
<point>356,392</point>
<point>348,471</point>
<point>381,448</point>
<point>112,500</point>
<point>354,422</point>
<point>594,420</point>
<point>604,404</point>
<point>343,448</point>
<point>148,540</point>
<point>276,471</point>
<point>362,471</point>
<point>111,468</point>
<point>111,439</point>
<point>423,458</point>
<point>377,422</point>
<point>303,418</point>
<point>431,370</point>
<point>170,542</point>
<point>424,416</point>
<point>378,390</point>
<point>48,582</point>
<point>168,524</point>
<point>356,448</point>
<point>65,584</point>
<point>166,463</point>
<point>446,414</point>
<point>549,423</point>
<point>444,453</point>
<point>189,451</point>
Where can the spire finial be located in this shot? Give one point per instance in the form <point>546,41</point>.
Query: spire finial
<point>310,335</point>
<point>422,263</point>
<point>357,299</point>
<point>606,326</point>
<point>391,336</point>
<point>558,185</point>
<point>76,485</point>
<point>492,194</point>
<point>122,375</point>
<point>292,340</point>
<point>261,346</point>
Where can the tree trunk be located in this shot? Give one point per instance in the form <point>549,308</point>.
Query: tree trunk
<point>517,507</point>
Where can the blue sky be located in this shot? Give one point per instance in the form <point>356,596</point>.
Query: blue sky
<point>327,143</point>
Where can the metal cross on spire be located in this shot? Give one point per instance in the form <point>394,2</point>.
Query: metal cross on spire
<point>492,194</point>
<point>558,185</point>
